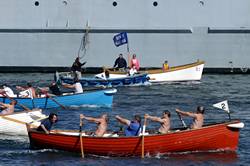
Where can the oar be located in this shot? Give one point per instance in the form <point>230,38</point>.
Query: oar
<point>80,133</point>
<point>21,122</point>
<point>48,96</point>
<point>143,133</point>
<point>63,107</point>
<point>182,121</point>
<point>21,105</point>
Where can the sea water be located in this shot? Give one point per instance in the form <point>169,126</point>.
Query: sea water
<point>151,99</point>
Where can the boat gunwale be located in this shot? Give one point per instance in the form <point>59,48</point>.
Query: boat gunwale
<point>177,131</point>
<point>108,79</point>
<point>65,94</point>
<point>160,70</point>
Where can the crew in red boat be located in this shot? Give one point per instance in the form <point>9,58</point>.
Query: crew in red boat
<point>102,124</point>
<point>165,66</point>
<point>198,117</point>
<point>164,121</point>
<point>47,124</point>
<point>7,108</point>
<point>134,126</point>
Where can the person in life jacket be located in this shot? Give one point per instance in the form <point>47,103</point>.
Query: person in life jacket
<point>165,66</point>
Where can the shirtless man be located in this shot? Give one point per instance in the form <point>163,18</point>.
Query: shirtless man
<point>8,108</point>
<point>164,120</point>
<point>101,124</point>
<point>198,117</point>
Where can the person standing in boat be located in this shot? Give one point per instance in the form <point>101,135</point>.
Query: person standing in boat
<point>133,127</point>
<point>120,62</point>
<point>6,90</point>
<point>164,121</point>
<point>102,123</point>
<point>198,117</point>
<point>47,123</point>
<point>28,91</point>
<point>77,86</point>
<point>135,62</point>
<point>7,108</point>
<point>77,68</point>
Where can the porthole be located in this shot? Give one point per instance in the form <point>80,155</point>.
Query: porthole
<point>114,3</point>
<point>36,3</point>
<point>155,3</point>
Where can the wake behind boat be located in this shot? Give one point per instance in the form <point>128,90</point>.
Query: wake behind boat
<point>102,97</point>
<point>219,136</point>
<point>187,72</point>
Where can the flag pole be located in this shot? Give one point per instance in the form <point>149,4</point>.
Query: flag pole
<point>229,116</point>
<point>128,54</point>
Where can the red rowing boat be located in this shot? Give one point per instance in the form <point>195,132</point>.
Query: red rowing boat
<point>221,136</point>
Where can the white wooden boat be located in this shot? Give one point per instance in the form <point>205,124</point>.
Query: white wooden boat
<point>187,72</point>
<point>15,124</point>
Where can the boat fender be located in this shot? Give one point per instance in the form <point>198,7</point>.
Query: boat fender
<point>236,125</point>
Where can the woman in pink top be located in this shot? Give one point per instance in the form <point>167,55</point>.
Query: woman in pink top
<point>135,62</point>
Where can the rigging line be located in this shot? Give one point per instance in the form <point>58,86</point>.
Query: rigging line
<point>84,43</point>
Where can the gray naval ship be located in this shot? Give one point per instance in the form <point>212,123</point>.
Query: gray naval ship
<point>44,35</point>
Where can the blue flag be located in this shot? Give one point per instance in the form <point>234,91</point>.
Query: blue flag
<point>120,39</point>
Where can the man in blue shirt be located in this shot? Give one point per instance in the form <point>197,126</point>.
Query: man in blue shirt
<point>134,126</point>
<point>47,123</point>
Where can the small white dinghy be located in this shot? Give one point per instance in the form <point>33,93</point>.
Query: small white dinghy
<point>15,124</point>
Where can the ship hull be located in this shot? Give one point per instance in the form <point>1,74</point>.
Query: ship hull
<point>171,30</point>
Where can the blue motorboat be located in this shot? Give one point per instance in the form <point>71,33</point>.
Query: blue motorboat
<point>138,79</point>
